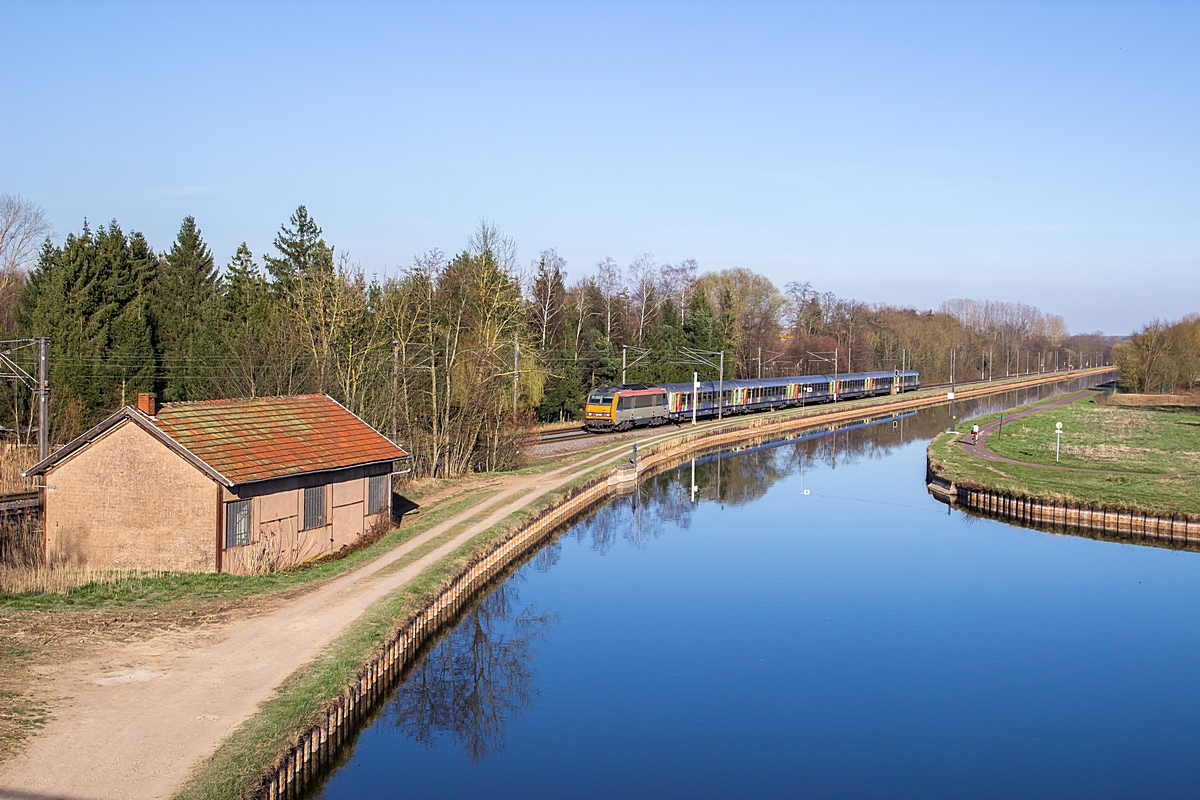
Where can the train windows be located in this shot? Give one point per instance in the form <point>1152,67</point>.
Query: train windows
<point>600,398</point>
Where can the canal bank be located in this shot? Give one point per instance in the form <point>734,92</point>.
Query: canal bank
<point>1080,465</point>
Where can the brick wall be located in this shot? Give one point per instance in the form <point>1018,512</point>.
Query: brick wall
<point>128,502</point>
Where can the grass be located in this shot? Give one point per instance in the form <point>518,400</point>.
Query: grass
<point>20,714</point>
<point>1131,445</point>
<point>1108,437</point>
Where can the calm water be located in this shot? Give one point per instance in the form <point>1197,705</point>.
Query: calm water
<point>857,641</point>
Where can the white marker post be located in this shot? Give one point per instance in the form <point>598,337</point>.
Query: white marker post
<point>1057,439</point>
<point>695,393</point>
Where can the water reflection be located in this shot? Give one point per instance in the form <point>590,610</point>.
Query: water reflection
<point>476,680</point>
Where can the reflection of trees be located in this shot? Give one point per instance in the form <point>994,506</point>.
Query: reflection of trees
<point>474,681</point>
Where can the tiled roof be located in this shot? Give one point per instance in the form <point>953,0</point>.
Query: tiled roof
<point>269,437</point>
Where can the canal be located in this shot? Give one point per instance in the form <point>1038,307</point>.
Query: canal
<point>807,621</point>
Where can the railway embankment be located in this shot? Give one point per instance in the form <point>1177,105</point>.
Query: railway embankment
<point>1125,472</point>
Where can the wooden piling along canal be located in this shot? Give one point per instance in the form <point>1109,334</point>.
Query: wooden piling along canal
<point>316,749</point>
<point>1177,530</point>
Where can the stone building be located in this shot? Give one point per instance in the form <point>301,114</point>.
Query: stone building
<point>216,486</point>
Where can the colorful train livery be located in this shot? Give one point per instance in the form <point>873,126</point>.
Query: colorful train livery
<point>621,408</point>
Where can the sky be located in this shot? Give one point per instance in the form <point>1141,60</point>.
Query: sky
<point>892,152</point>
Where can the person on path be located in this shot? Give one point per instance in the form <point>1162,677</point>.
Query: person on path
<point>974,434</point>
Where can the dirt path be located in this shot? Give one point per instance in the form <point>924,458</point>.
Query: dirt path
<point>135,721</point>
<point>981,452</point>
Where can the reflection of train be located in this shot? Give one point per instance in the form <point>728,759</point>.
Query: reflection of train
<point>619,408</point>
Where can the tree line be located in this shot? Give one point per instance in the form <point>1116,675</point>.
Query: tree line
<point>456,356</point>
<point>1161,357</point>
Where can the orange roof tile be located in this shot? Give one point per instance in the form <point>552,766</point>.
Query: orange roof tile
<point>269,437</point>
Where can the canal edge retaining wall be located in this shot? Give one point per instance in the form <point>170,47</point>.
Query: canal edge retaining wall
<point>1122,522</point>
<point>317,747</point>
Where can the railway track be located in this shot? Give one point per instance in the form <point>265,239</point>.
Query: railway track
<point>580,433</point>
<point>562,436</point>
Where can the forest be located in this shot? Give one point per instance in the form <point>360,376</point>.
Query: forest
<point>455,356</point>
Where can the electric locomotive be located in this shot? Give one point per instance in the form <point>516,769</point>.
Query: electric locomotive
<point>621,408</point>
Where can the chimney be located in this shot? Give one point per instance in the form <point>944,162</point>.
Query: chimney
<point>147,404</point>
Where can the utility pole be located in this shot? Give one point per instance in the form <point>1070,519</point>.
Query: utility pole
<point>516,372</point>
<point>835,373</point>
<point>395,376</point>
<point>760,363</point>
<point>624,351</point>
<point>43,397</point>
<point>721,388</point>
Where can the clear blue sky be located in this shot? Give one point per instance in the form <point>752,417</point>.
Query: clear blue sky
<point>900,152</point>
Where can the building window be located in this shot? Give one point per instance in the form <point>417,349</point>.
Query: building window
<point>378,488</point>
<point>237,523</point>
<point>314,507</point>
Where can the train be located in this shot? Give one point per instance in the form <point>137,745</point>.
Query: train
<point>633,405</point>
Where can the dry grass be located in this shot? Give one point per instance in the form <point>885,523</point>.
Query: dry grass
<point>58,580</point>
<point>1187,400</point>
<point>15,459</point>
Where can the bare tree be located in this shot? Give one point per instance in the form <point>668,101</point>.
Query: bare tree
<point>23,228</point>
<point>548,293</point>
<point>608,278</point>
<point>489,240</point>
<point>643,279</point>
<point>581,311</point>
<point>679,282</point>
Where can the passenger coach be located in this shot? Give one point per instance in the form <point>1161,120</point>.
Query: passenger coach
<point>620,408</point>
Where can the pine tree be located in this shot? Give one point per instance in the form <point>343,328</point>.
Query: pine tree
<point>698,330</point>
<point>563,392</point>
<point>183,291</point>
<point>91,297</point>
<point>246,338</point>
<point>302,253</point>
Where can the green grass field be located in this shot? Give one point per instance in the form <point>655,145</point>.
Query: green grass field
<point>1130,444</point>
